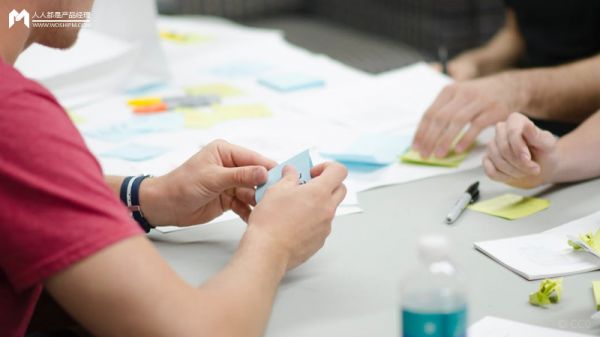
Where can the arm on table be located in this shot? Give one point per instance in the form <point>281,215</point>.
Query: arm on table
<point>127,289</point>
<point>502,52</point>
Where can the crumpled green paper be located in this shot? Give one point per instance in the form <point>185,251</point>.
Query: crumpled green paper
<point>592,240</point>
<point>549,293</point>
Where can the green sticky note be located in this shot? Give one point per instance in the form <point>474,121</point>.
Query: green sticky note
<point>596,288</point>
<point>549,292</point>
<point>453,159</point>
<point>511,206</point>
<point>215,89</point>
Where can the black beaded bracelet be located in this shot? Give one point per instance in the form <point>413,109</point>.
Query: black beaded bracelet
<point>130,196</point>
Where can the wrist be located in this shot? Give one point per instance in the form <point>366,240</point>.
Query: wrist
<point>155,200</point>
<point>559,172</point>
<point>268,247</point>
<point>522,91</point>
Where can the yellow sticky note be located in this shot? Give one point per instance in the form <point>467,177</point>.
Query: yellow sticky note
<point>144,101</point>
<point>183,38</point>
<point>511,206</point>
<point>206,118</point>
<point>453,159</point>
<point>198,119</point>
<point>217,89</point>
<point>242,111</point>
<point>596,288</point>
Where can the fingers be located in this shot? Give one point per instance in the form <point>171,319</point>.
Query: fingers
<point>240,208</point>
<point>502,164</point>
<point>511,149</point>
<point>235,156</point>
<point>541,140</point>
<point>477,125</point>
<point>421,136</point>
<point>339,194</point>
<point>246,195</point>
<point>247,176</point>
<point>436,127</point>
<point>330,175</point>
<point>521,155</point>
<point>493,173</point>
<point>289,176</point>
<point>452,131</point>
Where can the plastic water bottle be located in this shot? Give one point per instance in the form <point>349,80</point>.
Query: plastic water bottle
<point>433,297</point>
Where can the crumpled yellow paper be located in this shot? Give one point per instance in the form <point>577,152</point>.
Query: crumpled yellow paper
<point>549,293</point>
<point>590,239</point>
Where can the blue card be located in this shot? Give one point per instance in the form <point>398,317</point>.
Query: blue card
<point>287,82</point>
<point>135,152</point>
<point>373,149</point>
<point>301,162</point>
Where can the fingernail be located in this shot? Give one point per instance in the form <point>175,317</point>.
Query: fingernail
<point>259,174</point>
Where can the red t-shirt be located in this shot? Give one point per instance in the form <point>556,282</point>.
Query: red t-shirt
<point>55,208</point>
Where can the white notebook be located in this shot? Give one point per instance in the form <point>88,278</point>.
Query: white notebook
<point>498,327</point>
<point>547,254</point>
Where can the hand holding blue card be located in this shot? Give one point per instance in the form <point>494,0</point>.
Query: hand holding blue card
<point>301,162</point>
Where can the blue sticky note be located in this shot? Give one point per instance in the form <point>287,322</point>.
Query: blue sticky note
<point>241,69</point>
<point>301,162</point>
<point>287,82</point>
<point>168,121</point>
<point>373,149</point>
<point>135,152</point>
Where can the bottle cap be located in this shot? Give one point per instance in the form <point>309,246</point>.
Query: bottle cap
<point>434,247</point>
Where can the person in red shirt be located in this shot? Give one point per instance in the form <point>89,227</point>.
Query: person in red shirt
<point>64,232</point>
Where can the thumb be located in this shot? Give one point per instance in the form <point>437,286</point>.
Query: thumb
<point>289,175</point>
<point>245,176</point>
<point>541,140</point>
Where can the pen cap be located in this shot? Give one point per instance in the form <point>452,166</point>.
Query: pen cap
<point>434,248</point>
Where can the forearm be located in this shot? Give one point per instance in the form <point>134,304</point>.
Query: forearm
<point>244,291</point>
<point>568,93</point>
<point>576,151</point>
<point>114,182</point>
<point>502,52</point>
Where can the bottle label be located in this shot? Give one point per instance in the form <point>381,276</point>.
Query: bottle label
<point>426,324</point>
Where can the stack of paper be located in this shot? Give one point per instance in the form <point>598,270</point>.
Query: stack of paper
<point>498,327</point>
<point>545,255</point>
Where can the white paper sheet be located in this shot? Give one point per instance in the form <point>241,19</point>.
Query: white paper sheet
<point>547,254</point>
